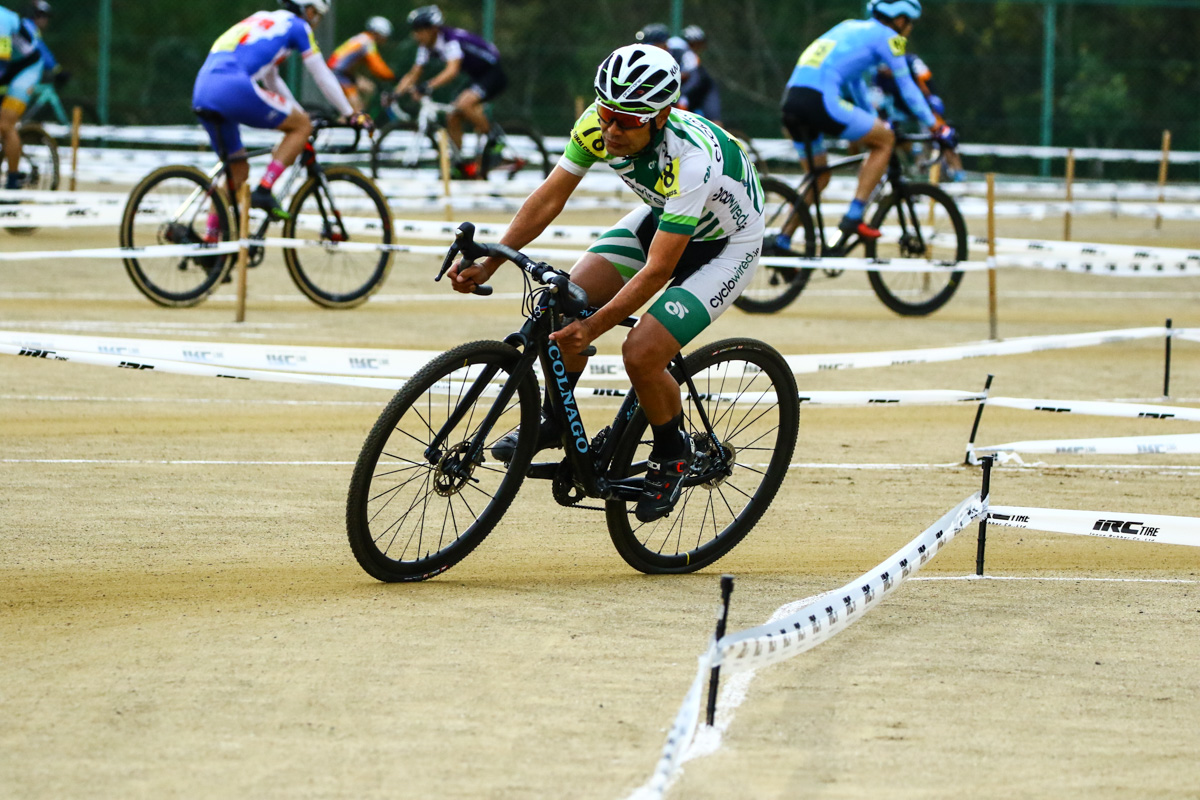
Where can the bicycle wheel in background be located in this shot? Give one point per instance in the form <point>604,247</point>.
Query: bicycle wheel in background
<point>390,146</point>
<point>415,509</point>
<point>39,158</point>
<point>925,223</point>
<point>750,397</point>
<point>347,209</point>
<point>528,153</point>
<point>773,288</point>
<point>172,206</point>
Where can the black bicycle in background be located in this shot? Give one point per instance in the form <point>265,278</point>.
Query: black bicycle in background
<point>427,488</point>
<point>333,206</point>
<point>918,220</point>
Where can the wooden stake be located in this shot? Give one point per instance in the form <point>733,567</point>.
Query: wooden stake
<point>1162,175</point>
<point>243,257</point>
<point>76,121</point>
<point>443,139</point>
<point>991,224</point>
<point>1070,193</point>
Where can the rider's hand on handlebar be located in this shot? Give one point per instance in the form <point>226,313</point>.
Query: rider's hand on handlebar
<point>361,120</point>
<point>465,276</point>
<point>574,338</point>
<point>946,136</point>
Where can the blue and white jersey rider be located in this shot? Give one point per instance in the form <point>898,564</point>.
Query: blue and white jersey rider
<point>240,79</point>
<point>23,59</point>
<point>836,65</point>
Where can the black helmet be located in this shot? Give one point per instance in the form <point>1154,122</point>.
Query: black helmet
<point>654,33</point>
<point>425,17</point>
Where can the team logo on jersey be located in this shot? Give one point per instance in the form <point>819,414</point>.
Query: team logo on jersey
<point>898,44</point>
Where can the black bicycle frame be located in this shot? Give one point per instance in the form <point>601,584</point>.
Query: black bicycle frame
<point>588,465</point>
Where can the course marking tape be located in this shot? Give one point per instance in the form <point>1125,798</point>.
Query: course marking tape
<point>1182,443</point>
<point>800,630</point>
<point>1132,527</point>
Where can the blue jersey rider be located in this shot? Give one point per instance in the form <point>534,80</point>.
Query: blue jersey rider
<point>240,84</point>
<point>23,59</point>
<point>833,65</point>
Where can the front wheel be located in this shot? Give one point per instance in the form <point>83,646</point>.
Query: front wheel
<point>345,218</point>
<point>923,223</point>
<point>773,287</point>
<point>750,398</point>
<point>422,497</point>
<point>176,205</point>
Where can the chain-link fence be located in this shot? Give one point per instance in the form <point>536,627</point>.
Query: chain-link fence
<point>1121,73</point>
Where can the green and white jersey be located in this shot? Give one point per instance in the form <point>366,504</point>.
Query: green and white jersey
<point>695,177</point>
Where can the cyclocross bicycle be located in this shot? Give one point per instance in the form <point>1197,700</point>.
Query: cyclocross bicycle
<point>334,205</point>
<point>427,488</point>
<point>919,220</point>
<point>39,158</point>
<point>498,155</point>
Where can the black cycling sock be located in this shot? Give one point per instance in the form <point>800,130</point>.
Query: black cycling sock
<point>572,381</point>
<point>668,444</point>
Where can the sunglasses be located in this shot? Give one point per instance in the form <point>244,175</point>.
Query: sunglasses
<point>624,119</point>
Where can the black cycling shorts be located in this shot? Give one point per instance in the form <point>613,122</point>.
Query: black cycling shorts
<point>490,84</point>
<point>805,115</point>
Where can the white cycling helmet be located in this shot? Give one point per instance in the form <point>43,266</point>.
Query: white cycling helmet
<point>380,27</point>
<point>895,8</point>
<point>297,6</point>
<point>693,34</point>
<point>638,77</point>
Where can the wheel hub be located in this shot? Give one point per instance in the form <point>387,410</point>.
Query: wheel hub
<point>453,471</point>
<point>715,458</point>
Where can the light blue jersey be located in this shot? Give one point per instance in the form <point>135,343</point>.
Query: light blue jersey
<point>836,63</point>
<point>21,56</point>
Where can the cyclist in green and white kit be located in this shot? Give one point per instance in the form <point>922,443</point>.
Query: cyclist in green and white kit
<point>699,234</point>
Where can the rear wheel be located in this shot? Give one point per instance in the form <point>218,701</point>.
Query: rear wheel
<point>349,215</point>
<point>925,223</point>
<point>750,397</point>
<point>172,206</point>
<point>527,153</point>
<point>774,287</point>
<point>417,507</point>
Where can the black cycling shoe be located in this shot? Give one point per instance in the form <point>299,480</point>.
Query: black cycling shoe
<point>664,483</point>
<point>849,225</point>
<point>262,199</point>
<point>548,436</point>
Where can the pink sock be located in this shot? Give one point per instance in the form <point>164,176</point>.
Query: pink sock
<point>214,226</point>
<point>274,170</point>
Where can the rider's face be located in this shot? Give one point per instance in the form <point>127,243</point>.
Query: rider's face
<point>426,37</point>
<point>312,16</point>
<point>620,141</point>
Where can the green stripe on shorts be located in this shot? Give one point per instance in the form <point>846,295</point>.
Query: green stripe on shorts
<point>681,313</point>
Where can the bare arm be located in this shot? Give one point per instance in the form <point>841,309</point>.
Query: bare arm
<point>539,210</point>
<point>410,79</point>
<point>449,73</point>
<point>665,251</point>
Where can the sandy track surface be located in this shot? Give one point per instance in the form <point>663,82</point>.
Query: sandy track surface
<point>181,615</point>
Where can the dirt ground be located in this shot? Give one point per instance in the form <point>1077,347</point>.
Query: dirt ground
<point>181,616</point>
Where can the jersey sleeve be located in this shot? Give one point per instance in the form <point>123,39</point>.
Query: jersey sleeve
<point>585,145</point>
<point>892,53</point>
<point>377,65</point>
<point>684,184</point>
<point>451,51</point>
<point>302,39</point>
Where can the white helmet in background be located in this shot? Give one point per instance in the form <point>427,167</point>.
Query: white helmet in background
<point>380,26</point>
<point>638,77</point>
